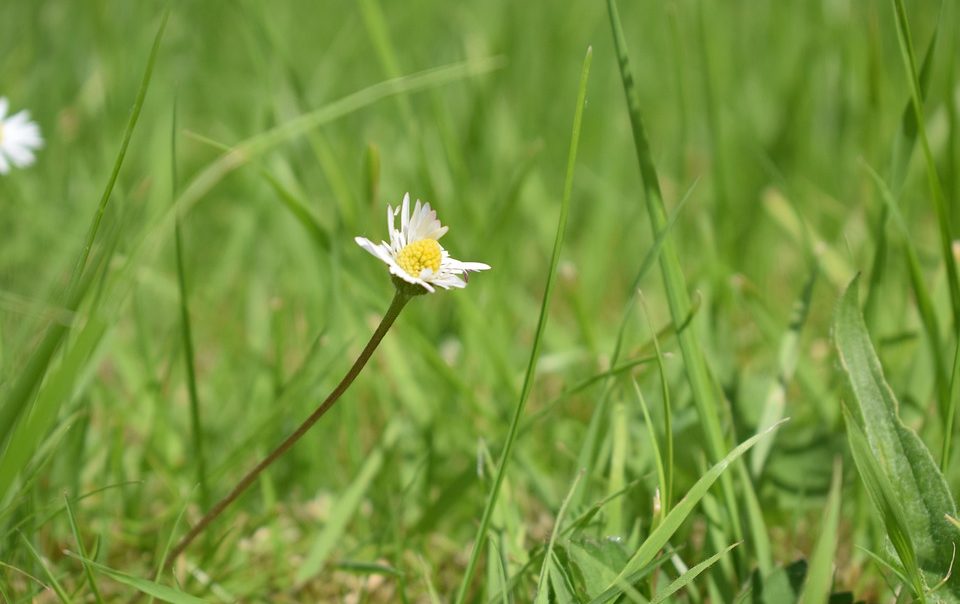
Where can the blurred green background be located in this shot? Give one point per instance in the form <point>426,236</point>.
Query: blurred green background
<point>765,113</point>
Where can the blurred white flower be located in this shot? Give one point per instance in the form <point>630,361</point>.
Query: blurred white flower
<point>19,138</point>
<point>414,254</point>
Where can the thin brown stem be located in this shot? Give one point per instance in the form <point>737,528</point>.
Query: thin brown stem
<point>399,300</point>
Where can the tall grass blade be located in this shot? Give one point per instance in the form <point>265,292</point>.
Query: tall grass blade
<point>54,583</point>
<point>124,144</point>
<point>186,333</point>
<point>933,179</point>
<point>75,529</point>
<point>925,306</point>
<point>708,408</point>
<point>538,336</point>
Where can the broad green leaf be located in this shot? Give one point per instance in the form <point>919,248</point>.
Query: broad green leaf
<point>891,512</point>
<point>901,458</point>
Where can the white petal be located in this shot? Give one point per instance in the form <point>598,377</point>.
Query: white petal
<point>405,213</point>
<point>21,156</point>
<point>4,166</point>
<point>18,119</point>
<point>4,106</point>
<point>458,266</point>
<point>450,281</point>
<point>370,246</point>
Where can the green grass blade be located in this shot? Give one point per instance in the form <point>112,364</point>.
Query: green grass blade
<point>186,335</point>
<point>297,207</point>
<point>619,451</point>
<point>667,494</point>
<point>933,179</point>
<point>819,581</point>
<point>776,399</point>
<point>150,588</point>
<point>708,407</point>
<point>542,590</point>
<point>75,529</point>
<point>687,578</point>
<point>343,511</point>
<point>57,390</point>
<point>54,583</point>
<point>661,535</point>
<point>124,144</point>
<point>657,455</point>
<point>925,306</point>
<point>538,337</point>
<point>901,457</point>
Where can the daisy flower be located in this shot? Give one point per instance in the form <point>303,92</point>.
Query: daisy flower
<point>19,138</point>
<point>414,253</point>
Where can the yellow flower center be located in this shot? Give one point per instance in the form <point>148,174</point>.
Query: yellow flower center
<point>420,255</point>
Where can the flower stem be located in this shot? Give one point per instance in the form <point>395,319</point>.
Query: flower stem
<point>399,301</point>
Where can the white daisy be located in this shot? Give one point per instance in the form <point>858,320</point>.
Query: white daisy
<point>19,138</point>
<point>414,254</point>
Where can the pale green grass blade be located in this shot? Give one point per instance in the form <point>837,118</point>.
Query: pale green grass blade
<point>951,410</point>
<point>122,153</point>
<point>548,559</point>
<point>890,566</point>
<point>901,457</point>
<point>776,399</point>
<point>150,588</point>
<point>657,455</point>
<point>186,334</point>
<point>619,450</point>
<point>58,389</point>
<point>290,200</point>
<point>819,581</point>
<point>75,529</point>
<point>907,134</point>
<point>17,398</point>
<point>343,511</point>
<point>538,336</point>
<point>661,535</point>
<point>54,583</point>
<point>688,577</point>
<point>933,179</point>
<point>760,536</point>
<point>653,254</point>
<point>708,407</point>
<point>925,305</point>
<point>899,162</point>
<point>587,456</point>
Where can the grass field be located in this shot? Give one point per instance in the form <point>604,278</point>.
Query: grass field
<point>676,201</point>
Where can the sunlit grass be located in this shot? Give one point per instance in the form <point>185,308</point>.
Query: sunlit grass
<point>631,447</point>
